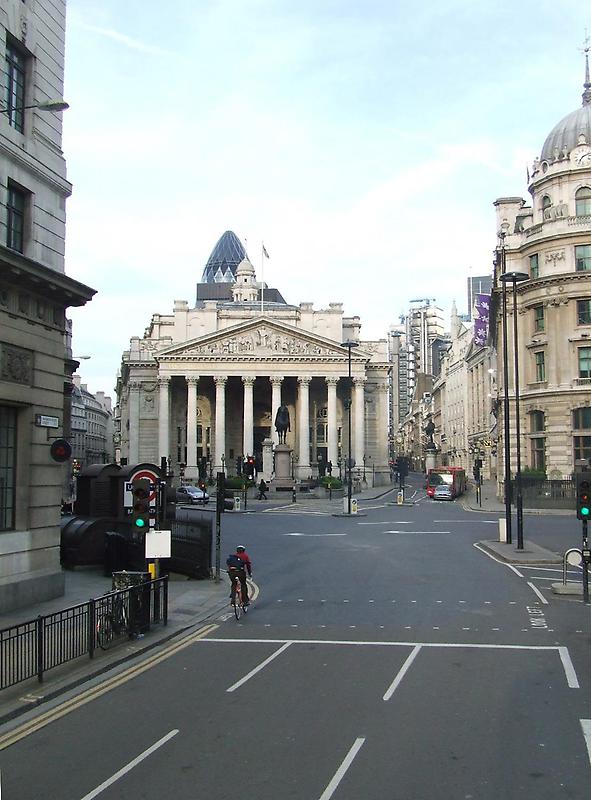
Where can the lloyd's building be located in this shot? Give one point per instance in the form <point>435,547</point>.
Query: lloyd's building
<point>204,383</point>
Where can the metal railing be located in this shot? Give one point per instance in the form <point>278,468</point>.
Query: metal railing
<point>31,648</point>
<point>538,493</point>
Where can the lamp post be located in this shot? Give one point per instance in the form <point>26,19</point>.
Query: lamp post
<point>50,105</point>
<point>349,344</point>
<point>514,278</point>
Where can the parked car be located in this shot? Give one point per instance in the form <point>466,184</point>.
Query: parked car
<point>191,495</point>
<point>443,492</point>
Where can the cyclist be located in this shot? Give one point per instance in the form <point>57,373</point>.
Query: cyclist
<point>239,564</point>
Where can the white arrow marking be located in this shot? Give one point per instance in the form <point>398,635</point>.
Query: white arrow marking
<point>586,726</point>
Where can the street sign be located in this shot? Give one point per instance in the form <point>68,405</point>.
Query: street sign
<point>158,544</point>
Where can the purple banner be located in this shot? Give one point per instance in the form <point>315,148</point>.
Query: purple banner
<point>481,313</point>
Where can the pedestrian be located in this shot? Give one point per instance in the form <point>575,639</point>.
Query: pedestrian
<point>329,468</point>
<point>262,490</point>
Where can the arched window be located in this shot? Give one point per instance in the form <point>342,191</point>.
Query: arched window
<point>583,201</point>
<point>546,206</point>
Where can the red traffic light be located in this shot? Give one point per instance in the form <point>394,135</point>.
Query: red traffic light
<point>60,450</point>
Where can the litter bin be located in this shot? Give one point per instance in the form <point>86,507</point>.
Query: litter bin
<point>139,598</point>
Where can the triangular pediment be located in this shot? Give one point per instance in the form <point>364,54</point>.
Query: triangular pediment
<point>261,339</point>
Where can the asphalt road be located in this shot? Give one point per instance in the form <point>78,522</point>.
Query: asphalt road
<point>385,656</point>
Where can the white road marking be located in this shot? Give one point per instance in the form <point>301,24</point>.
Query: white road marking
<point>259,668</point>
<point>128,767</point>
<point>398,522</point>
<point>571,675</point>
<point>498,560</point>
<point>586,726</point>
<point>542,569</point>
<point>401,673</point>
<point>418,531</point>
<point>537,592</point>
<point>340,773</point>
<point>314,534</point>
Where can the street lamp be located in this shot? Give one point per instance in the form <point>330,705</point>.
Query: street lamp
<point>50,105</point>
<point>513,278</point>
<point>349,344</point>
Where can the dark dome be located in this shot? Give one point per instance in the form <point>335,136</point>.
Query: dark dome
<point>224,259</point>
<point>566,133</point>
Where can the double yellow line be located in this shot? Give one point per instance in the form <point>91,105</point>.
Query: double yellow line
<point>87,696</point>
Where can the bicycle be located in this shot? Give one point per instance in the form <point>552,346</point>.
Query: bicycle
<point>237,600</point>
<point>114,621</point>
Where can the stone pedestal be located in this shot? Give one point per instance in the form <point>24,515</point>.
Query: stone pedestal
<point>282,478</point>
<point>267,460</point>
<point>430,459</point>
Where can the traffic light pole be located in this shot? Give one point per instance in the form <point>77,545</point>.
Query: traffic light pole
<point>586,559</point>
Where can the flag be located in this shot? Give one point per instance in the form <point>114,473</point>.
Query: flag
<point>265,251</point>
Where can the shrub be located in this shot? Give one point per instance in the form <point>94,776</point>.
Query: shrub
<point>331,483</point>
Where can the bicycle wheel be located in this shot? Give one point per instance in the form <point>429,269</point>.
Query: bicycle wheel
<point>104,632</point>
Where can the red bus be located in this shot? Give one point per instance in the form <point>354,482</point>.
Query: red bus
<point>455,477</point>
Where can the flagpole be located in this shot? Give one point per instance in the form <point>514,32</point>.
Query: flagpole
<point>262,276</point>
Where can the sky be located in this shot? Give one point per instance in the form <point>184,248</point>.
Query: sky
<point>363,141</point>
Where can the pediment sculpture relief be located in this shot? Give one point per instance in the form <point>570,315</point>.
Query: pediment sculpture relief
<point>261,341</point>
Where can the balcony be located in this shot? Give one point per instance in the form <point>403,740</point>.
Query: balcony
<point>582,382</point>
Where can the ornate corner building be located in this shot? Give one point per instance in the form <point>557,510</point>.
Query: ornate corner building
<point>35,371</point>
<point>550,240</point>
<point>203,385</point>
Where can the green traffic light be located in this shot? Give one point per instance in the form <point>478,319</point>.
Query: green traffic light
<point>139,523</point>
<point>585,511</point>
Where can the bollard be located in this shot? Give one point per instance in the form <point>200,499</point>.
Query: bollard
<point>293,495</point>
<point>353,505</point>
<point>503,530</point>
<point>237,503</point>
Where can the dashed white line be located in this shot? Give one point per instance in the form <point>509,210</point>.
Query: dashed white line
<point>128,767</point>
<point>339,774</point>
<point>586,726</point>
<point>401,673</point>
<point>261,666</point>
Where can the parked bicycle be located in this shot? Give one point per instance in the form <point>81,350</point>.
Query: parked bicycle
<point>113,621</point>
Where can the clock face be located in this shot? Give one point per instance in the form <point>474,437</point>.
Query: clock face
<point>584,159</point>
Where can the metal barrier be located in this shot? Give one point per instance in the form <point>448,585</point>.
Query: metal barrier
<point>546,493</point>
<point>30,648</point>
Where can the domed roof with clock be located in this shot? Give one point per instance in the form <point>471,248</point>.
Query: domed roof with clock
<point>574,131</point>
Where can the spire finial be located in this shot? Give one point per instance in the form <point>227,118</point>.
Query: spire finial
<point>587,85</point>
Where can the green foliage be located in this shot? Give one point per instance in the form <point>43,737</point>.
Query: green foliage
<point>238,483</point>
<point>331,483</point>
<point>528,472</point>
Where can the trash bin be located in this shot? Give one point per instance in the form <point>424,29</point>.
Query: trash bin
<point>139,598</point>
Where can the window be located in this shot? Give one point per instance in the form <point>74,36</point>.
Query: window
<point>582,419</point>
<point>584,362</point>
<point>538,318</point>
<point>534,266</point>
<point>583,258</point>
<point>583,201</point>
<point>7,466</point>
<point>540,358</point>
<point>546,205</point>
<point>15,218</point>
<point>14,98</point>
<point>536,421</point>
<point>583,312</point>
<point>538,453</point>
<point>582,447</point>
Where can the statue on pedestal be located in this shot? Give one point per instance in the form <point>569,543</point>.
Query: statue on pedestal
<point>282,423</point>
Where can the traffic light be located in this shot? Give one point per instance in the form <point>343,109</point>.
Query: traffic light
<point>140,510</point>
<point>583,495</point>
<point>224,496</point>
<point>60,450</point>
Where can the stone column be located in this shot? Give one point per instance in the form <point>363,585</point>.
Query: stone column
<point>191,470</point>
<point>359,421</point>
<point>276,382</point>
<point>382,426</point>
<point>163,416</point>
<point>304,426</point>
<point>134,422</point>
<point>333,445</point>
<point>220,421</point>
<point>248,423</point>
